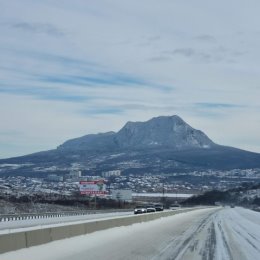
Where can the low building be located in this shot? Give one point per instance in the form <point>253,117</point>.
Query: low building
<point>74,175</point>
<point>121,195</point>
<point>111,173</point>
<point>54,178</point>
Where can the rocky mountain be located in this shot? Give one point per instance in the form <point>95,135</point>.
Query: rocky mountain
<point>164,131</point>
<point>160,145</point>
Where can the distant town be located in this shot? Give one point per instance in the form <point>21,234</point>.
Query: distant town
<point>179,185</point>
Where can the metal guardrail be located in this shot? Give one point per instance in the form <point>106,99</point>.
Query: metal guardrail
<point>24,216</point>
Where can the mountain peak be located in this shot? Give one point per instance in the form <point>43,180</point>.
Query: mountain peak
<point>163,131</point>
<point>173,118</point>
<point>167,131</point>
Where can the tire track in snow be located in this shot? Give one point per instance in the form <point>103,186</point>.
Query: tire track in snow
<point>216,236</point>
<point>225,251</point>
<point>186,245</point>
<point>241,233</point>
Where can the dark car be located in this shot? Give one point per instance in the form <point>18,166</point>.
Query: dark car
<point>158,207</point>
<point>150,208</point>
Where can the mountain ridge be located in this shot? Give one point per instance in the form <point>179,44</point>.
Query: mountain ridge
<point>160,145</point>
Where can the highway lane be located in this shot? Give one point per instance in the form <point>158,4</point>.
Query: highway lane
<point>203,234</point>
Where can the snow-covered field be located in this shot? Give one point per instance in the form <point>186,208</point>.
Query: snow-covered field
<point>206,234</point>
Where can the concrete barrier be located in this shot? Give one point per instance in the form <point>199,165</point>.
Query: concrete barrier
<point>21,216</point>
<point>37,237</point>
<point>15,241</point>
<point>10,242</point>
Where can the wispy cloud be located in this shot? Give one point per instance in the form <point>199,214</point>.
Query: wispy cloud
<point>160,58</point>
<point>187,52</point>
<point>37,28</point>
<point>217,54</point>
<point>206,38</point>
<point>44,93</point>
<point>51,58</point>
<point>125,107</point>
<point>63,75</point>
<point>102,111</point>
<point>219,105</point>
<point>217,111</point>
<point>116,79</point>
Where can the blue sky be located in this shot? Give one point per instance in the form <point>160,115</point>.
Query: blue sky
<point>69,68</point>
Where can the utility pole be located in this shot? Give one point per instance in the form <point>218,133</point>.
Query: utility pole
<point>163,190</point>
<point>95,205</point>
<point>163,193</point>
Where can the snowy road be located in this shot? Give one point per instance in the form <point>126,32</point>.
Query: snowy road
<point>206,234</point>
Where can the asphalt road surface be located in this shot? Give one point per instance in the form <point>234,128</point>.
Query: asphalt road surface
<point>206,234</point>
